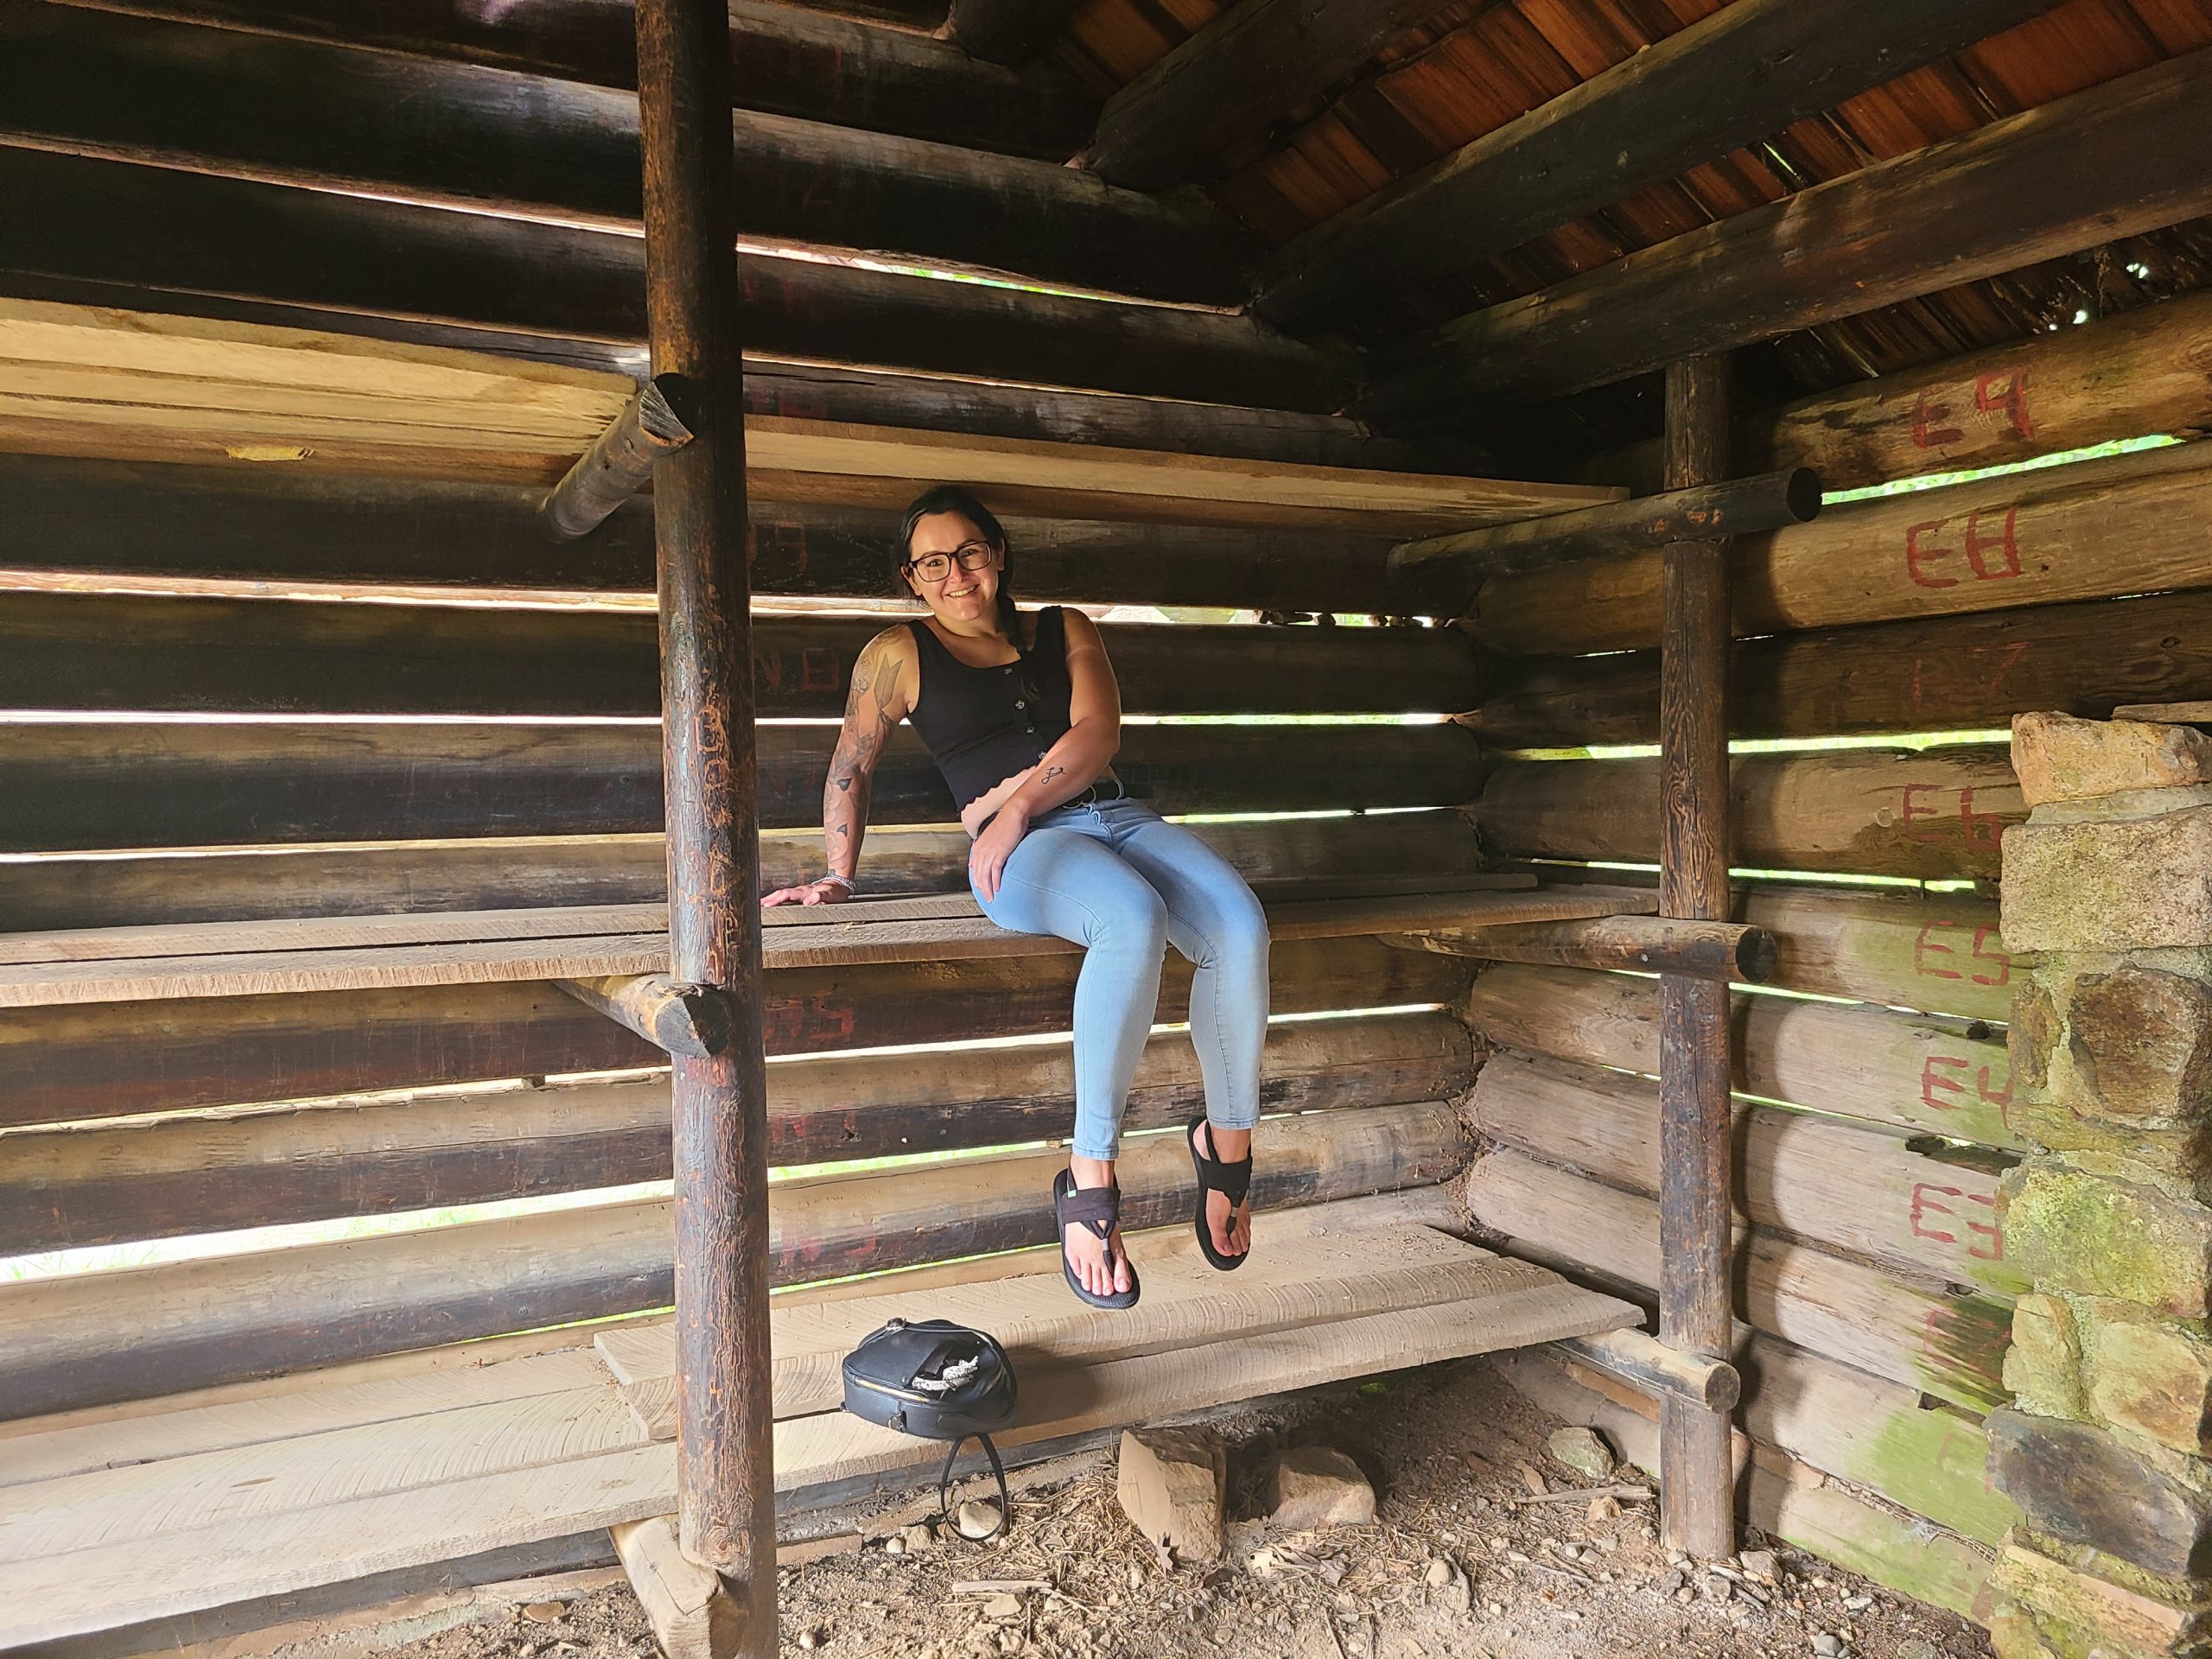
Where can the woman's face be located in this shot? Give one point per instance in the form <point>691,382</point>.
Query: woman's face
<point>959,595</point>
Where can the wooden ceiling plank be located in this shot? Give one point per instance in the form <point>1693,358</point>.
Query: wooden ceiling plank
<point>1731,80</point>
<point>2031,187</point>
<point>1235,76</point>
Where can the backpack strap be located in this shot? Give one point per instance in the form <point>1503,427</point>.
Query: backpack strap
<point>998,1469</point>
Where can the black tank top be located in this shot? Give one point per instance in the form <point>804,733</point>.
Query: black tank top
<point>982,725</point>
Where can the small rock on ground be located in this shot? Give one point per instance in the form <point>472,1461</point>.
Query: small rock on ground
<point>1580,1450</point>
<point>1171,1483</point>
<point>1318,1486</point>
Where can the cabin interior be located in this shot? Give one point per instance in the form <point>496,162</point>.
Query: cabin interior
<point>1663,537</point>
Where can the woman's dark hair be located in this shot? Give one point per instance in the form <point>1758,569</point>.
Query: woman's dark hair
<point>950,498</point>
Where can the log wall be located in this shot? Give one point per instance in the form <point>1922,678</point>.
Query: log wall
<point>1876,1112</point>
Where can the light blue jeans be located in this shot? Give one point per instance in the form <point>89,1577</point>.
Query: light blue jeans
<point>1117,879</point>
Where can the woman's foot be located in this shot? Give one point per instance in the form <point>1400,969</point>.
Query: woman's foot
<point>1100,1266</point>
<point>1230,1225</point>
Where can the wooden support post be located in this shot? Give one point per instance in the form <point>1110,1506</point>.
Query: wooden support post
<point>688,1020</point>
<point>1695,1315</point>
<point>692,1612</point>
<point>1457,564</point>
<point>617,465</point>
<point>725,1478</point>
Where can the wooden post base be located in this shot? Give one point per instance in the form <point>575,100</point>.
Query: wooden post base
<point>693,1614</point>
<point>1697,1510</point>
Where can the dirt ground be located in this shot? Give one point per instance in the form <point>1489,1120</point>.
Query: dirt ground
<point>1454,1566</point>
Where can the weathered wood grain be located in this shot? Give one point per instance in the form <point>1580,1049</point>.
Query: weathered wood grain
<point>1936,1075</point>
<point>1953,673</point>
<point>1867,1191</point>
<point>74,1342</point>
<point>83,786</point>
<point>88,221</point>
<point>61,1065</point>
<point>2091,531</point>
<point>1936,813</point>
<point>2024,188</point>
<point>164,1178</point>
<point>1918,1333</point>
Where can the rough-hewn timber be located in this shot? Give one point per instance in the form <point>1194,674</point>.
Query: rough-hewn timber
<point>1728,81</point>
<point>165,1329</point>
<point>122,654</point>
<point>2140,371</point>
<point>1946,1077</point>
<point>1953,673</point>
<point>98,226</point>
<point>81,786</point>
<point>61,1064</point>
<point>1863,1190</point>
<point>72,1187</point>
<point>326,115</point>
<point>2125,525</point>
<point>1948,1344</point>
<point>787,59</point>
<point>2025,187</point>
<point>1933,813</point>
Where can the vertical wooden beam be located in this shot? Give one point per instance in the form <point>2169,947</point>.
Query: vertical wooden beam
<point>1698,1508</point>
<point>725,1487</point>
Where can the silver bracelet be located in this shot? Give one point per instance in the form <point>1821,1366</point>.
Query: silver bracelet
<point>844,881</point>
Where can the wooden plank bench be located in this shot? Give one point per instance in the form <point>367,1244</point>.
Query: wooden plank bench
<point>114,1520</point>
<point>219,959</point>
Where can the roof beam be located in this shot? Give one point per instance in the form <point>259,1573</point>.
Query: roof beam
<point>1233,79</point>
<point>1730,80</point>
<point>341,117</point>
<point>107,233</point>
<point>785,60</point>
<point>2119,159</point>
<point>1007,31</point>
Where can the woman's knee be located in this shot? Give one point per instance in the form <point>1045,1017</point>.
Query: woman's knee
<point>1133,918</point>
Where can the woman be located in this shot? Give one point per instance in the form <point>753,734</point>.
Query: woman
<point>1022,716</point>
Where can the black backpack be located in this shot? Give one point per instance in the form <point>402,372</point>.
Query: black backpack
<point>940,1381</point>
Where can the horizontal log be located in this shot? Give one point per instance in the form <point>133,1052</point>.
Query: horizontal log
<point>2122,376</point>
<point>65,1188</point>
<point>1782,1496</point>
<point>273,244</point>
<point>119,654</point>
<point>1656,945</point>
<point>1288,856</point>
<point>1007,31</point>
<point>1906,947</point>
<point>1862,1191</point>
<point>61,1065</point>
<point>82,1340</point>
<point>618,464</point>
<point>1231,82</point>
<point>2092,530</point>
<point>676,1018</point>
<point>325,116</point>
<point>2024,189</point>
<point>1945,1343</point>
<point>74,787</point>
<point>1728,82</point>
<point>79,518</point>
<point>1456,565</point>
<point>1929,1459</point>
<point>1937,813</point>
<point>785,58</point>
<point>1651,1364</point>
<point>1917,1072</point>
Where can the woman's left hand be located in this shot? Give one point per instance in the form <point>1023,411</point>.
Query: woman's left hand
<point>987,858</point>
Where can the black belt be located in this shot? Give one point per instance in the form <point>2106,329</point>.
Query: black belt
<point>1091,797</point>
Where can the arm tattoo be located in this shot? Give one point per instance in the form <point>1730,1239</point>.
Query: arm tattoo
<point>1051,772</point>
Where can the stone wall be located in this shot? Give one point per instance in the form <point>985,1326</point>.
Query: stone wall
<point>2107,1448</point>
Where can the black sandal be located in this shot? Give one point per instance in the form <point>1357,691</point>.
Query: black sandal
<point>1218,1175</point>
<point>1098,1208</point>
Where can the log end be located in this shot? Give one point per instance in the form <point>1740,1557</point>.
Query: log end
<point>1759,957</point>
<point>1803,494</point>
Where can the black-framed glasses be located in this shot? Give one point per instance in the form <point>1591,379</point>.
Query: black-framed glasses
<point>936,567</point>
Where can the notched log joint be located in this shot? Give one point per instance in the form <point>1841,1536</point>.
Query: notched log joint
<point>677,1017</point>
<point>620,461</point>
